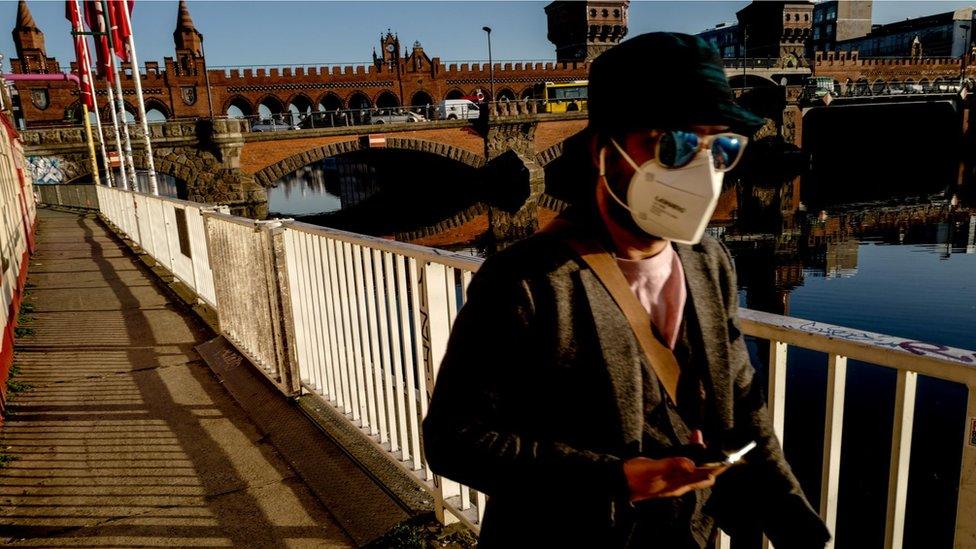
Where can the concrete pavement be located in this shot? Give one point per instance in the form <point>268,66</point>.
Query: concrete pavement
<point>127,438</point>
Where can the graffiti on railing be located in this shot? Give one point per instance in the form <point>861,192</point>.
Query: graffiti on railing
<point>920,348</point>
<point>45,170</point>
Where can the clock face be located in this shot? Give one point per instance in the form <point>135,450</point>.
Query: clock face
<point>389,48</point>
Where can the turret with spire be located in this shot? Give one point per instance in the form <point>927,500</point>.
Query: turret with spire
<point>188,40</point>
<point>29,41</point>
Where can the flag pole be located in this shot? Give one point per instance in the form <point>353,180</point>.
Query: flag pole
<point>118,142</point>
<point>86,71</point>
<point>150,164</point>
<point>91,146</point>
<point>127,160</point>
<point>109,179</point>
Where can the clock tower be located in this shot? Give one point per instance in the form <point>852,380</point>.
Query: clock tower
<point>389,47</point>
<point>583,30</point>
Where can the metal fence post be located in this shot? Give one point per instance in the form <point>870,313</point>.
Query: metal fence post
<point>436,327</point>
<point>285,343</point>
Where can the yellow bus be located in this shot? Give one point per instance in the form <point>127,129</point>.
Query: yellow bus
<point>562,97</point>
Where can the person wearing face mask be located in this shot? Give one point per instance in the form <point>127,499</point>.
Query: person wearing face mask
<point>597,370</point>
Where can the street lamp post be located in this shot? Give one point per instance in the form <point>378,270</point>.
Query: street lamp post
<point>745,55</point>
<point>206,75</point>
<point>491,66</point>
<point>962,61</point>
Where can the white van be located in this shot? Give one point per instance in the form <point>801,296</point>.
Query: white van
<point>457,109</point>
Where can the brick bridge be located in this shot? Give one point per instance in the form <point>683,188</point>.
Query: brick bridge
<point>222,161</point>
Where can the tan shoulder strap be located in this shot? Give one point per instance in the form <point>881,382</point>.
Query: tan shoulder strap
<point>606,269</point>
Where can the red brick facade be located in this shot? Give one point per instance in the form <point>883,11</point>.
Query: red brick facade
<point>178,88</point>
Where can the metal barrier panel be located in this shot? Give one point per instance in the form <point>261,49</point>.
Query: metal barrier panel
<point>144,235</point>
<point>177,237</point>
<point>199,255</point>
<point>74,196</point>
<point>247,308</point>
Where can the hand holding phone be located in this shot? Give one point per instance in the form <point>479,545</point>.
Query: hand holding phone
<point>719,467</point>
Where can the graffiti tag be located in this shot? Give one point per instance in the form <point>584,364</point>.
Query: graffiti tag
<point>919,348</point>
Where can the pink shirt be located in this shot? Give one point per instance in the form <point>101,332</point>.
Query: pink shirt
<point>659,283</point>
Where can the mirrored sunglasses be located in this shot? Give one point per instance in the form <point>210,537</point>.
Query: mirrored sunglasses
<point>676,149</point>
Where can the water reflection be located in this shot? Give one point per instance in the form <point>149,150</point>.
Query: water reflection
<point>167,184</point>
<point>379,192</point>
<point>323,187</point>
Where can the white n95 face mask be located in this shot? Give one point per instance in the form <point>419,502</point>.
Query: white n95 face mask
<point>671,203</point>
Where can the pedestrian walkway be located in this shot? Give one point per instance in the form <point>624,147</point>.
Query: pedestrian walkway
<point>126,438</point>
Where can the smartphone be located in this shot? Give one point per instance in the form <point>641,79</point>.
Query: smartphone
<point>730,459</point>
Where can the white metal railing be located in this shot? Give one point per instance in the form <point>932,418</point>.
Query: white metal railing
<point>363,322</point>
<point>171,231</point>
<point>74,196</point>
<point>371,322</point>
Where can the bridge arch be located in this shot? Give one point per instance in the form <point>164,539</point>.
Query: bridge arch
<point>456,93</point>
<point>330,102</point>
<point>238,107</point>
<point>183,173</point>
<point>421,99</point>
<point>359,100</point>
<point>269,174</point>
<point>106,112</point>
<point>386,99</point>
<point>925,85</point>
<point>749,81</point>
<point>527,93</point>
<point>300,104</point>
<point>157,106</point>
<point>878,87</point>
<point>506,94</point>
<point>268,106</point>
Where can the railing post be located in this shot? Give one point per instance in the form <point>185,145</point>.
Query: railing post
<point>776,400</point>
<point>901,448</point>
<point>436,327</point>
<point>777,386</point>
<point>833,430</point>
<point>965,535</point>
<point>283,318</point>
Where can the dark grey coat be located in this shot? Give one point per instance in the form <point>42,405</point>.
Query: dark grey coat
<point>539,399</point>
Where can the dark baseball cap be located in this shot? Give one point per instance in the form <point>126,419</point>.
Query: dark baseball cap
<point>662,80</point>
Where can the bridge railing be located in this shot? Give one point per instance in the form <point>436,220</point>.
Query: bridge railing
<point>171,231</point>
<point>362,323</point>
<point>72,196</point>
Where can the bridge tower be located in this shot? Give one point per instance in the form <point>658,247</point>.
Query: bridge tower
<point>29,41</point>
<point>189,43</point>
<point>583,30</point>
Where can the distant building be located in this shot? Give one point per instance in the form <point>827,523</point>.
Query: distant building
<point>778,30</point>
<point>773,29</point>
<point>940,35</point>
<point>726,38</point>
<point>583,30</point>
<point>839,20</point>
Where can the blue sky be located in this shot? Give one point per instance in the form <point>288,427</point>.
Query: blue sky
<point>284,32</point>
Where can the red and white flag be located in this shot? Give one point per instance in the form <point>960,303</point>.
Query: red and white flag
<point>95,19</point>
<point>120,16</point>
<point>81,54</point>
